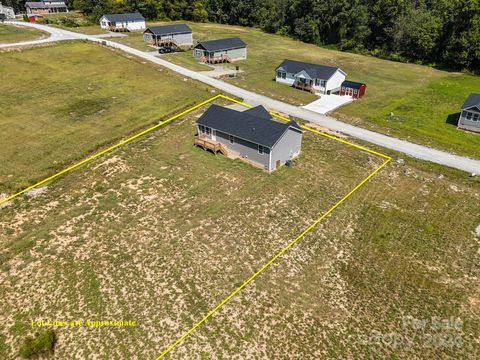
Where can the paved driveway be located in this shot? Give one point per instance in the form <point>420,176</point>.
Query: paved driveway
<point>327,103</point>
<point>403,146</point>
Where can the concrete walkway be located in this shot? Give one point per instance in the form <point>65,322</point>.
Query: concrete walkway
<point>327,103</point>
<point>408,148</point>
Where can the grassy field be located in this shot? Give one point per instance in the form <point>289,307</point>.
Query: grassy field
<point>62,102</point>
<point>12,34</point>
<point>425,102</point>
<point>84,25</point>
<point>160,231</point>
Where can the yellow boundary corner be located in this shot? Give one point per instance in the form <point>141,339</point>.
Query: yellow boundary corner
<point>301,235</point>
<point>277,255</point>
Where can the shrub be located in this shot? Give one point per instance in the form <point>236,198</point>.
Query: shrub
<point>42,342</point>
<point>68,22</point>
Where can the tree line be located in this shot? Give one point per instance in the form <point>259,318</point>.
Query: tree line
<point>444,33</point>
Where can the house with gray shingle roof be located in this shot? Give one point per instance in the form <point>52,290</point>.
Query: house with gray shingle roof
<point>310,77</point>
<point>470,114</point>
<point>45,7</point>
<point>251,134</point>
<point>123,22</point>
<point>222,50</point>
<point>173,34</point>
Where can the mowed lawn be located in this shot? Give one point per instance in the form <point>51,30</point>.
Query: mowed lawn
<point>60,103</point>
<point>159,232</point>
<point>409,101</point>
<point>12,34</point>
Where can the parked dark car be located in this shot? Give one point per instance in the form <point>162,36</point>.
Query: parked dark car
<point>165,49</point>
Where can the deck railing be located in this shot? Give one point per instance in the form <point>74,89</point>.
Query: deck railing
<point>303,86</point>
<point>208,144</point>
<point>216,59</point>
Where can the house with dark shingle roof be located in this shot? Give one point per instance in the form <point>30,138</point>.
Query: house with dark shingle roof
<point>310,77</point>
<point>222,50</point>
<point>123,22</point>
<point>470,115</point>
<point>173,34</point>
<point>249,134</point>
<point>45,7</point>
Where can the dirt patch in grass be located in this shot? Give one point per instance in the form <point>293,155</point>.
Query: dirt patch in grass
<point>160,232</point>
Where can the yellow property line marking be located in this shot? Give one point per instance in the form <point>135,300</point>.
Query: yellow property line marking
<point>276,256</point>
<point>302,234</point>
<point>123,142</point>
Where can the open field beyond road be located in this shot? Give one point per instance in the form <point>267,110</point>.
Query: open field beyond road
<point>62,102</point>
<point>12,34</point>
<point>160,231</point>
<point>424,102</point>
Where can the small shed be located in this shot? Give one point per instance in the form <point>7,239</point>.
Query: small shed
<point>168,35</point>
<point>354,89</point>
<point>122,22</point>
<point>222,50</point>
<point>470,114</point>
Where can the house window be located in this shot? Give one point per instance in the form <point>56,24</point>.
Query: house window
<point>281,74</point>
<point>208,131</point>
<point>231,139</point>
<point>260,149</point>
<point>469,115</point>
<point>475,117</point>
<point>104,23</point>
<point>323,83</point>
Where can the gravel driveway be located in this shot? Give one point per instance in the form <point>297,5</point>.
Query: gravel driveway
<point>406,147</point>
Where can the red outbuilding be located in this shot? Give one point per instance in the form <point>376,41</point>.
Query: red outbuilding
<point>354,89</point>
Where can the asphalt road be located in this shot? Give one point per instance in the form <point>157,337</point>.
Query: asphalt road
<point>414,150</point>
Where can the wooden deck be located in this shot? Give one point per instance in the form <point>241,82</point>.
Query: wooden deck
<point>216,59</point>
<point>208,144</point>
<point>303,86</point>
<point>164,42</point>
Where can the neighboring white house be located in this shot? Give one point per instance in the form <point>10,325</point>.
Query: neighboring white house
<point>310,77</point>
<point>7,11</point>
<point>470,115</point>
<point>123,22</point>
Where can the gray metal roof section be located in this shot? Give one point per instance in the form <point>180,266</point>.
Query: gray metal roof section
<point>257,130</point>
<point>42,5</point>
<point>315,71</point>
<point>136,16</point>
<point>352,84</point>
<point>35,5</point>
<point>472,100</point>
<point>221,44</point>
<point>169,29</point>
